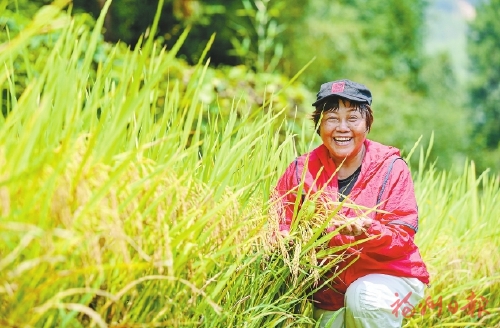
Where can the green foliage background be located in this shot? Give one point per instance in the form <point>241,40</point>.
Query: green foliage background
<point>484,51</point>
<point>261,44</point>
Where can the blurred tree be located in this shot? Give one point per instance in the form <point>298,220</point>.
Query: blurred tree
<point>129,19</point>
<point>372,39</point>
<point>484,51</point>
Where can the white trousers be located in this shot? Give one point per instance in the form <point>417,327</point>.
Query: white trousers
<point>374,301</point>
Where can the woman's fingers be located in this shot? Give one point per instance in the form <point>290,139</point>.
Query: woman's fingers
<point>367,222</point>
<point>354,228</point>
<point>351,227</point>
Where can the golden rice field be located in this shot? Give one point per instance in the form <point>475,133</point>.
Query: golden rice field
<point>125,204</point>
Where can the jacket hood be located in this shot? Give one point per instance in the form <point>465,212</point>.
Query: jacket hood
<point>376,154</point>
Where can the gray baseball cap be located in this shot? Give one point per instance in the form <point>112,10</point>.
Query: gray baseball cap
<point>344,89</point>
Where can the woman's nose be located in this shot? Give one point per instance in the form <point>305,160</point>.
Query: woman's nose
<point>343,126</point>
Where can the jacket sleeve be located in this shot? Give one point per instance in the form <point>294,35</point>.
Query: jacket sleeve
<point>284,197</point>
<point>394,231</point>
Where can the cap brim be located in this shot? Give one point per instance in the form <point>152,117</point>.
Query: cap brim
<point>342,95</point>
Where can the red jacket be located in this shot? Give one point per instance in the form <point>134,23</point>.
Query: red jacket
<point>384,179</point>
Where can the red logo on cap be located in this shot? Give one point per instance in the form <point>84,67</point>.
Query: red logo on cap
<point>338,87</point>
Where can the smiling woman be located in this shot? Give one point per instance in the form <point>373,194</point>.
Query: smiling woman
<point>382,259</point>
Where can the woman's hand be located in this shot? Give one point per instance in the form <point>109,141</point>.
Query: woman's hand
<point>353,227</point>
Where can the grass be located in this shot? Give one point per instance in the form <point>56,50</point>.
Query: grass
<point>123,204</point>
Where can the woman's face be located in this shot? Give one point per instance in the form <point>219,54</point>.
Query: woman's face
<point>343,132</point>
